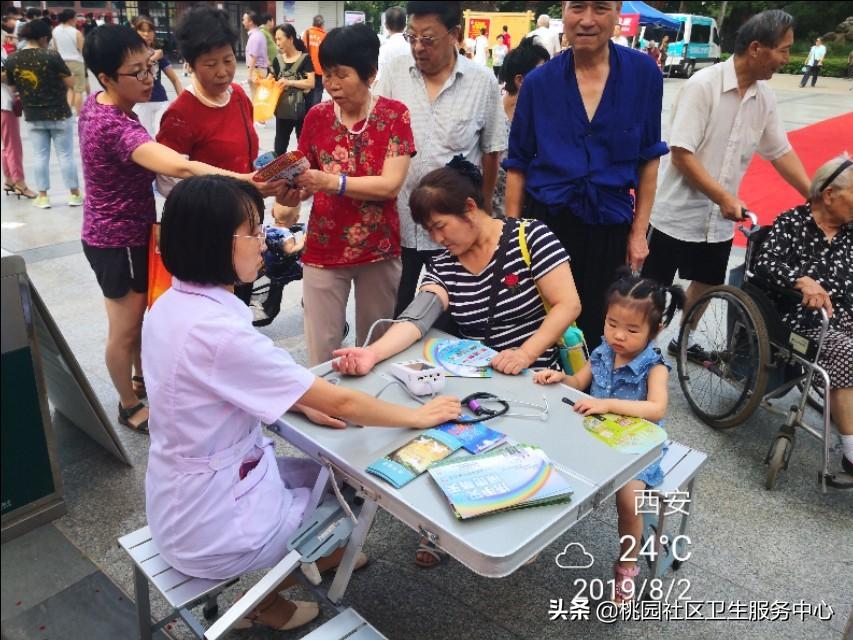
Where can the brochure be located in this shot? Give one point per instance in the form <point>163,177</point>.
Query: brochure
<point>624,433</point>
<point>462,358</point>
<point>409,461</point>
<point>511,477</point>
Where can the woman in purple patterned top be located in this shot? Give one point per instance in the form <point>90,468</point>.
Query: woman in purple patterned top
<point>120,161</point>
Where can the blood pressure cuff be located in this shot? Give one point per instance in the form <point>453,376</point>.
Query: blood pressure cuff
<point>423,311</point>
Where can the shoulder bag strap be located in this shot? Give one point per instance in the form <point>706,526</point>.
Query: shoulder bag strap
<point>497,278</point>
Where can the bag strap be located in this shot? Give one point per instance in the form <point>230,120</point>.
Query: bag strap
<point>525,255</point>
<point>497,278</point>
<point>245,125</point>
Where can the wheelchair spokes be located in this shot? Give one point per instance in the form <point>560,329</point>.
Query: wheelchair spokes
<point>723,382</point>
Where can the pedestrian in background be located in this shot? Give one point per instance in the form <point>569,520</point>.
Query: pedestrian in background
<point>814,62</point>
<point>313,38</point>
<point>42,79</point>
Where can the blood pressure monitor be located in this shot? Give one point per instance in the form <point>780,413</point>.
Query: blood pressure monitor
<point>421,378</point>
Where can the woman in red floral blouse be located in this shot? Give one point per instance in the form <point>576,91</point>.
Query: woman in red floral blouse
<point>359,147</point>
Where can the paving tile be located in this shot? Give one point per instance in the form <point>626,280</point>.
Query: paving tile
<point>36,566</point>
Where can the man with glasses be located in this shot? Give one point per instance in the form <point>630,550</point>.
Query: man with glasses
<point>455,108</point>
<point>584,152</point>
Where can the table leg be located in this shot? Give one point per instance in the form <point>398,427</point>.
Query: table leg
<point>356,542</point>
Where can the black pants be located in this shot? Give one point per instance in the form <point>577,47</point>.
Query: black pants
<point>315,96</point>
<point>813,71</point>
<point>283,129</point>
<point>244,292</point>
<point>413,261</point>
<point>596,252</point>
<point>272,305</point>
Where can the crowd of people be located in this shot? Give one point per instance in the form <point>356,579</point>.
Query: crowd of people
<point>500,206</point>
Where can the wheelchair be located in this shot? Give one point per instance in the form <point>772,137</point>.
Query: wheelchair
<point>750,358</point>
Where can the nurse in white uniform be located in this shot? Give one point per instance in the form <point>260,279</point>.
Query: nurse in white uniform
<point>219,503</point>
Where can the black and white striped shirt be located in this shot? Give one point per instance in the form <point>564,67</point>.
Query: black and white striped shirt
<point>519,310</point>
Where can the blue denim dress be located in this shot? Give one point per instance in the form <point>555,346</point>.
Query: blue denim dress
<point>628,382</point>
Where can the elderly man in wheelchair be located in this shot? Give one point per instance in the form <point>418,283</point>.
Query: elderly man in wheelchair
<point>785,320</point>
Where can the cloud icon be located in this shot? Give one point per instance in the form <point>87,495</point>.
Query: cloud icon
<point>563,561</point>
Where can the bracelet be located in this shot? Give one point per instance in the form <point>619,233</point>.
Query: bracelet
<point>342,184</point>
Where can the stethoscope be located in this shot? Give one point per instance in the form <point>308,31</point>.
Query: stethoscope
<point>482,405</point>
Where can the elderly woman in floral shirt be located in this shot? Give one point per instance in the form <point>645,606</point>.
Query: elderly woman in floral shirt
<point>810,248</point>
<point>359,147</point>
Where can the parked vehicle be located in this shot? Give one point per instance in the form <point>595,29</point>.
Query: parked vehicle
<point>696,44</point>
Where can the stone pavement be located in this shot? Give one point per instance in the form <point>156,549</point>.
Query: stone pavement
<point>69,579</point>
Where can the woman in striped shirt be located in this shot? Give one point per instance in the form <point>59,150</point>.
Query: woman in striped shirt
<point>448,203</point>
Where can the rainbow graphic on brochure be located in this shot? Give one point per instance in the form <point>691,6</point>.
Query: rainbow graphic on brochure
<point>462,358</point>
<point>511,477</point>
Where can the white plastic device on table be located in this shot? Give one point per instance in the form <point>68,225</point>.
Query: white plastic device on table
<point>421,378</point>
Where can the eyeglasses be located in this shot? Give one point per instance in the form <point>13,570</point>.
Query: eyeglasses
<point>260,237</point>
<point>144,73</point>
<point>426,41</point>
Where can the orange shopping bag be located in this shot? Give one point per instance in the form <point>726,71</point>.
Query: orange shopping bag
<point>267,93</point>
<point>159,280</point>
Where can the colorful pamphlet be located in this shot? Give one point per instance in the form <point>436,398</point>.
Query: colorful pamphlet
<point>409,461</point>
<point>287,167</point>
<point>624,433</point>
<point>475,437</point>
<point>462,358</point>
<point>511,477</point>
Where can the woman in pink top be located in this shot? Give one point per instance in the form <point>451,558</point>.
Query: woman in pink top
<point>218,501</point>
<point>120,161</point>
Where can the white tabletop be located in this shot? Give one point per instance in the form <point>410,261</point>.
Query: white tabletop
<point>494,545</point>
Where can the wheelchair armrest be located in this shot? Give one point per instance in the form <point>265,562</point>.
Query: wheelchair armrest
<point>790,294</point>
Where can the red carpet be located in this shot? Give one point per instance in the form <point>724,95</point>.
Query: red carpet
<point>764,190</point>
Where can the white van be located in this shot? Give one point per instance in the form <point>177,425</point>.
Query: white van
<point>696,45</point>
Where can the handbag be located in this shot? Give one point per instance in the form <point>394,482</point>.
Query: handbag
<point>17,106</point>
<point>267,93</point>
<point>291,104</point>
<point>574,351</point>
<point>159,279</point>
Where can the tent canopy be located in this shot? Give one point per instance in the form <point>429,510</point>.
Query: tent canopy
<point>650,15</point>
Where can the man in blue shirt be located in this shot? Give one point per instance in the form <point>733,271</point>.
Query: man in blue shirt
<point>586,132</point>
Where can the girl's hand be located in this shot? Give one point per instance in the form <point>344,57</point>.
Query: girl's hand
<point>512,361</point>
<point>355,361</point>
<point>592,406</point>
<point>437,411</point>
<point>548,376</point>
<point>313,181</point>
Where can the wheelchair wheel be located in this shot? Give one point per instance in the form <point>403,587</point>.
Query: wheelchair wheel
<point>777,460</point>
<point>725,380</point>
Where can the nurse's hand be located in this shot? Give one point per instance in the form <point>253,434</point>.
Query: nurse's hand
<point>437,411</point>
<point>354,361</point>
<point>318,417</point>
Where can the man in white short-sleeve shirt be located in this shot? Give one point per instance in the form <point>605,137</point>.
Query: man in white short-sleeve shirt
<point>722,116</point>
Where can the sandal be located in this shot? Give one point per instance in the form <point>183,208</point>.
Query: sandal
<point>124,416</point>
<point>25,192</point>
<point>434,555</point>
<point>138,383</point>
<point>623,577</point>
<point>280,614</point>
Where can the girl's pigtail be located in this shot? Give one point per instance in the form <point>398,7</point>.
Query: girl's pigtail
<point>676,302</point>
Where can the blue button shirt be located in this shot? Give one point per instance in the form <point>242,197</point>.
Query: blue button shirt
<point>588,167</point>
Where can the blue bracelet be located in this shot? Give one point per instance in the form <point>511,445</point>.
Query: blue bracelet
<point>343,188</point>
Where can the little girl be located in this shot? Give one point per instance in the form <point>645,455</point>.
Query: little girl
<point>627,375</point>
